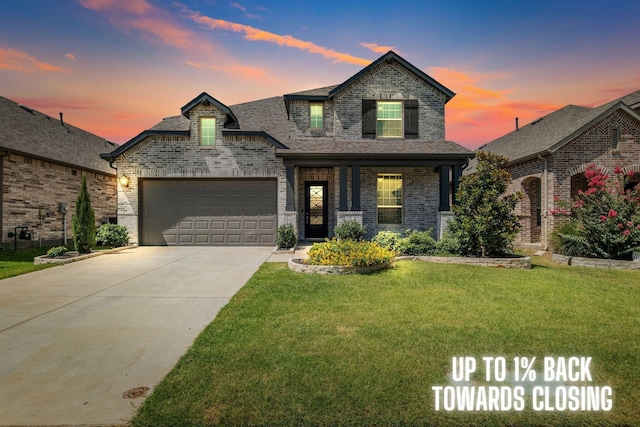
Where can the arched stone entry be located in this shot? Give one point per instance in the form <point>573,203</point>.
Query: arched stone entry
<point>531,210</point>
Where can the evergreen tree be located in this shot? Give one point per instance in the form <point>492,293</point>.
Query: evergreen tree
<point>484,222</point>
<point>84,226</point>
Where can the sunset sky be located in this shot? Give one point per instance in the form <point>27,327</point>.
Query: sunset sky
<point>117,67</point>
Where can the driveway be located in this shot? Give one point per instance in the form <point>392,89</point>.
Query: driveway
<point>74,339</point>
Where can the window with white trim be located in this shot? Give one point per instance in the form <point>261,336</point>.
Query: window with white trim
<point>389,119</point>
<point>389,198</point>
<point>208,131</point>
<point>315,116</point>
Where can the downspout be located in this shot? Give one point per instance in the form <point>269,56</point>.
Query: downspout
<point>545,206</point>
<point>3,154</point>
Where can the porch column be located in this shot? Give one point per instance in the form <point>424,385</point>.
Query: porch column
<point>343,188</point>
<point>444,188</point>
<point>355,188</point>
<point>457,173</point>
<point>290,205</point>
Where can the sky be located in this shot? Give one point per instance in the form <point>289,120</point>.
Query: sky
<point>117,67</point>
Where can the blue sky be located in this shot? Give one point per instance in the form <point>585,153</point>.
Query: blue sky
<point>117,67</point>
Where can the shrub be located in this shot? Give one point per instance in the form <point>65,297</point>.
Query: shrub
<point>484,222</point>
<point>57,251</point>
<point>607,217</point>
<point>350,230</point>
<point>287,237</point>
<point>387,239</point>
<point>448,245</point>
<point>112,235</point>
<point>349,253</point>
<point>84,226</point>
<point>417,243</point>
<point>563,244</point>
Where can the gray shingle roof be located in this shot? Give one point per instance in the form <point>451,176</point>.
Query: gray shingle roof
<point>552,131</point>
<point>29,132</point>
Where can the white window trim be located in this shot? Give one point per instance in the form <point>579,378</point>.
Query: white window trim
<point>401,119</point>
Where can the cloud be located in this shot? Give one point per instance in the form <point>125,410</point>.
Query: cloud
<point>16,60</point>
<point>376,48</point>
<point>71,56</point>
<point>238,6</point>
<point>58,104</point>
<point>262,8</point>
<point>255,34</point>
<point>194,64</point>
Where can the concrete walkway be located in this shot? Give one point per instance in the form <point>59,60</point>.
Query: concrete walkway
<point>75,338</point>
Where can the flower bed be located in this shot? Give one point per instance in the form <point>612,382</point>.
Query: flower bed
<point>514,262</point>
<point>611,264</point>
<point>73,256</point>
<point>300,266</point>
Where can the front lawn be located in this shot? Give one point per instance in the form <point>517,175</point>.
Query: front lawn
<point>13,263</point>
<point>294,349</point>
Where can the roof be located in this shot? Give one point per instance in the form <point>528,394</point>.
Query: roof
<point>549,133</point>
<point>29,132</point>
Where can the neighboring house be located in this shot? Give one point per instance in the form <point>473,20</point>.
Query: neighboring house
<point>42,160</point>
<point>371,149</point>
<point>548,157</point>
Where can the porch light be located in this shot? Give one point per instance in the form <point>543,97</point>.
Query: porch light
<point>124,181</point>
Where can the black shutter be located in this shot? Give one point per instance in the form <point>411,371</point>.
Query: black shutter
<point>411,118</point>
<point>369,118</point>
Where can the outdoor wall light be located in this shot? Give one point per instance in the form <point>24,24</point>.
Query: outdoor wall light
<point>124,181</point>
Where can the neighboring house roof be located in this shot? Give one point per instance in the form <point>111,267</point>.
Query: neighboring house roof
<point>31,133</point>
<point>551,132</point>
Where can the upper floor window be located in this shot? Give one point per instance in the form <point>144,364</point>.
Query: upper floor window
<point>315,116</point>
<point>390,119</point>
<point>208,131</point>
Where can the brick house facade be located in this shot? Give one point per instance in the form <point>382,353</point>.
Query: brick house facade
<point>42,161</point>
<point>548,157</point>
<point>371,149</point>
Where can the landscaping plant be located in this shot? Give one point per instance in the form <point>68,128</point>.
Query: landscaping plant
<point>417,243</point>
<point>603,221</point>
<point>57,251</point>
<point>387,239</point>
<point>84,226</point>
<point>113,235</point>
<point>349,253</point>
<point>350,230</point>
<point>286,237</point>
<point>484,222</point>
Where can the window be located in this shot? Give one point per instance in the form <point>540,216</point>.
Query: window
<point>389,119</point>
<point>389,199</point>
<point>315,116</point>
<point>208,131</point>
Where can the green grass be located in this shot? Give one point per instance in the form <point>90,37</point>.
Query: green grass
<point>305,350</point>
<point>14,263</point>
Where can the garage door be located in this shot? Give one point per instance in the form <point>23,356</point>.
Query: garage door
<point>208,212</point>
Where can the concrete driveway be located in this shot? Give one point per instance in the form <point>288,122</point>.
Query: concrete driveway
<point>75,338</point>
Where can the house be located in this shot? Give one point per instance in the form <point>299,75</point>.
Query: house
<point>548,157</point>
<point>370,149</point>
<point>42,160</point>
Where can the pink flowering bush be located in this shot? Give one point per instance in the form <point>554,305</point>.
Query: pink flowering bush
<point>603,221</point>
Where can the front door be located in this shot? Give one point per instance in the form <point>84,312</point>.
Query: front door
<point>315,202</point>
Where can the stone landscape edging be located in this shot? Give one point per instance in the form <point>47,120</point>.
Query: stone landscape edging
<point>515,262</point>
<point>44,259</point>
<point>299,266</point>
<point>611,264</point>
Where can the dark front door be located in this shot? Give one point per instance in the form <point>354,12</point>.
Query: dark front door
<point>315,202</point>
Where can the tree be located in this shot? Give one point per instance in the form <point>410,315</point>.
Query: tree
<point>84,226</point>
<point>484,222</point>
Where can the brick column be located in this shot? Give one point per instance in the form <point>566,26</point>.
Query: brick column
<point>444,188</point>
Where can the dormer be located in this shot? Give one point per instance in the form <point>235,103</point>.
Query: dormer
<point>208,118</point>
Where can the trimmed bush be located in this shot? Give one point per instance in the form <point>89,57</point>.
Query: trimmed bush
<point>417,243</point>
<point>287,237</point>
<point>83,223</point>
<point>387,239</point>
<point>448,245</point>
<point>350,230</point>
<point>349,253</point>
<point>57,251</point>
<point>112,235</point>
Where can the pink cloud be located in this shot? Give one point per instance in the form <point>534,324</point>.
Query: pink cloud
<point>255,34</point>
<point>16,60</point>
<point>71,56</point>
<point>376,48</point>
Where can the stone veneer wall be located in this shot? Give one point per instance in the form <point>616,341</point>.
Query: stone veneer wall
<point>31,184</point>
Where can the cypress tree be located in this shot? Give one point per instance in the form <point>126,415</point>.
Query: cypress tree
<point>84,226</point>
